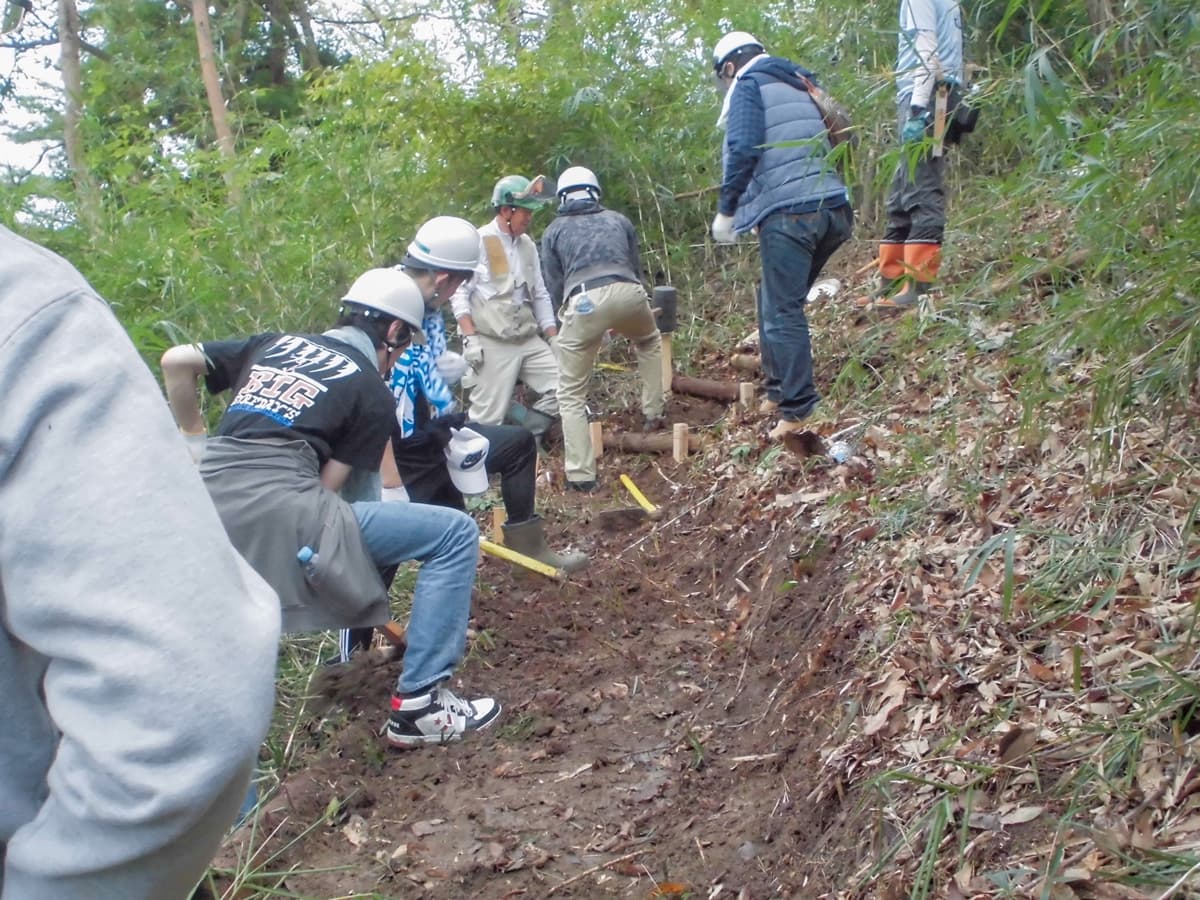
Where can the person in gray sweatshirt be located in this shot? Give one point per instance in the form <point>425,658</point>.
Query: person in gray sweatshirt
<point>126,738</point>
<point>593,271</point>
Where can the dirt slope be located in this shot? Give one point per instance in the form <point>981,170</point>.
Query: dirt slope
<point>662,716</point>
<point>807,679</point>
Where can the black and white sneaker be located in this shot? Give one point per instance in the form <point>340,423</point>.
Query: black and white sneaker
<point>437,716</point>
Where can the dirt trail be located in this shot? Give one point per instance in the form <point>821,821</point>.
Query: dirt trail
<point>662,715</point>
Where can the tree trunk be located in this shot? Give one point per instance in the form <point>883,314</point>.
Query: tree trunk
<point>277,41</point>
<point>212,87</point>
<point>310,58</point>
<point>85,190</point>
<point>508,15</point>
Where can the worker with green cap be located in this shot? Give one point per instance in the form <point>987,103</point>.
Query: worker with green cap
<point>505,314</point>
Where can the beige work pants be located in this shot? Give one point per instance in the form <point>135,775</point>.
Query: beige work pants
<point>529,360</point>
<point>625,308</point>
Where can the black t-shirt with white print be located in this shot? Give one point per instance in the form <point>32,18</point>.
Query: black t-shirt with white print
<point>306,387</point>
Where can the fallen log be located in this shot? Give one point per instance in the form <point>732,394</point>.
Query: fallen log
<point>1039,271</point>
<point>746,362</point>
<point>660,442</point>
<point>704,387</point>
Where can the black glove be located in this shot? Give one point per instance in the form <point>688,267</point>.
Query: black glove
<point>439,428</point>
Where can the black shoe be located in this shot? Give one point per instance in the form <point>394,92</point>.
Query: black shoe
<point>656,423</point>
<point>584,487</point>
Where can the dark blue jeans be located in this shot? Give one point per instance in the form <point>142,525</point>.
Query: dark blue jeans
<point>794,249</point>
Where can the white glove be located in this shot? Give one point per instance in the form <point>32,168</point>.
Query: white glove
<point>473,351</point>
<point>451,366</point>
<point>722,230</point>
<point>395,495</point>
<point>196,442</point>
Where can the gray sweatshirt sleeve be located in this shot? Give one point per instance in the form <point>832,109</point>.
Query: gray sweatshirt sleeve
<point>138,653</point>
<point>543,307</point>
<point>552,273</point>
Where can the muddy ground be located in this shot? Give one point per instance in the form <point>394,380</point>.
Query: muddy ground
<point>662,710</point>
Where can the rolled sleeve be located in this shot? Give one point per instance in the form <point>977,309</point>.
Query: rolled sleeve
<point>744,136</point>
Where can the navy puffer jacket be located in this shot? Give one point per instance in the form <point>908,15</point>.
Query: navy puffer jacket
<point>770,106</point>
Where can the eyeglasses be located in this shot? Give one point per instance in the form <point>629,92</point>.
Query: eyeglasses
<point>14,14</point>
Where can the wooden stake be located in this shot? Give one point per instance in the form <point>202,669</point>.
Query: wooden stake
<point>741,407</point>
<point>680,446</point>
<point>597,440</point>
<point>668,365</point>
<point>498,516</point>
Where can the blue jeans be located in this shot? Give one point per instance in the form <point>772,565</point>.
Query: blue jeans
<point>446,542</point>
<point>794,248</point>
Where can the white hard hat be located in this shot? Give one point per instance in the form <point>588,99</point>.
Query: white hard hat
<point>578,178</point>
<point>730,44</point>
<point>444,243</point>
<point>390,292</point>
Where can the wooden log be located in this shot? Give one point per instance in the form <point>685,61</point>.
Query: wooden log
<point>1039,271</point>
<point>656,442</point>
<point>746,362</point>
<point>679,441</point>
<point>704,387</point>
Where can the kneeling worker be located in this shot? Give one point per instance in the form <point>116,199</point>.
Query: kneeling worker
<point>308,412</point>
<point>440,258</point>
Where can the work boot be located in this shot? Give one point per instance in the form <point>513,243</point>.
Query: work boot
<point>767,405</point>
<point>921,262</point>
<point>529,538</point>
<point>535,420</point>
<point>892,259</point>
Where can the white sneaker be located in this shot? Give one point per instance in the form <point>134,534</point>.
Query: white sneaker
<point>437,716</point>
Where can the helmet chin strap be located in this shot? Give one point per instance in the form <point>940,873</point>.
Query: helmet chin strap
<point>506,221</point>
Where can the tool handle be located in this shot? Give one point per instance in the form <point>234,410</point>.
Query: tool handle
<point>638,495</point>
<point>395,633</point>
<point>534,565</point>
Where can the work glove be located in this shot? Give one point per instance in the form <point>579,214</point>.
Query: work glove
<point>451,366</point>
<point>196,442</point>
<point>722,229</point>
<point>914,128</point>
<point>395,495</point>
<point>442,428</point>
<point>473,351</point>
